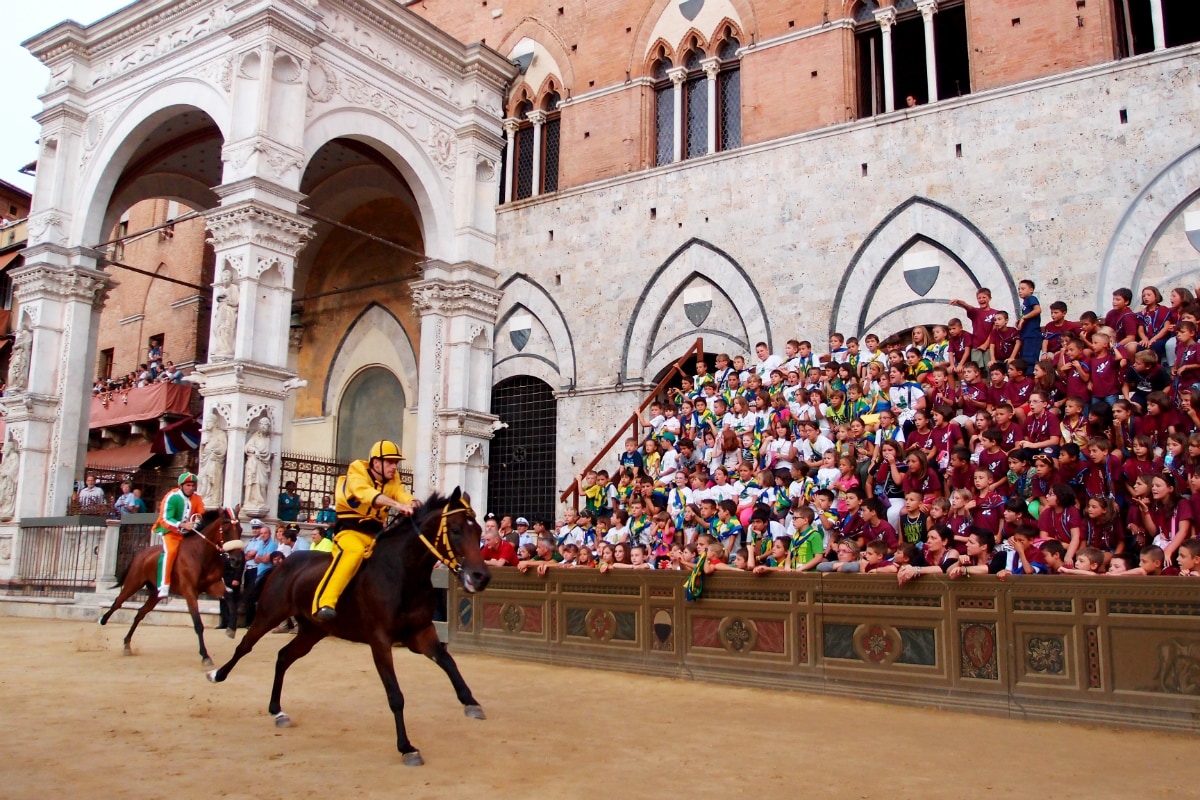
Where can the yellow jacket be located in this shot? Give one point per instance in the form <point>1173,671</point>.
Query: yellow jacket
<point>357,490</point>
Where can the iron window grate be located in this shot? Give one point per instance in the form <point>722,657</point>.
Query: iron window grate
<point>697,117</point>
<point>522,466</point>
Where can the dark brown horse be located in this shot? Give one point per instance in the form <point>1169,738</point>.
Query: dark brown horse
<point>198,568</point>
<point>389,601</point>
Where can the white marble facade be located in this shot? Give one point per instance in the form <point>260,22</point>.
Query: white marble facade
<point>279,79</point>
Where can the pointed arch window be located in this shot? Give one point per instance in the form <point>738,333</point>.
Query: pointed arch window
<point>729,95</point>
<point>664,113</point>
<point>551,142</point>
<point>695,106</point>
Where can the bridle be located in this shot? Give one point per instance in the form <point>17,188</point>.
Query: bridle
<point>218,545</point>
<point>440,547</point>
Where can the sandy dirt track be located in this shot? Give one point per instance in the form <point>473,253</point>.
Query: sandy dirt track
<point>81,720</point>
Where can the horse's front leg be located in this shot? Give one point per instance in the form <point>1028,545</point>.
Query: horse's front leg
<point>146,608</point>
<point>193,604</point>
<point>381,651</point>
<point>426,643</point>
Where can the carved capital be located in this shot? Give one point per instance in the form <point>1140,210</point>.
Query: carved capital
<point>449,298</point>
<point>677,74</point>
<point>886,17</point>
<point>711,67</point>
<point>254,223</point>
<point>511,125</point>
<point>927,8</point>
<point>537,117</point>
<point>41,281</point>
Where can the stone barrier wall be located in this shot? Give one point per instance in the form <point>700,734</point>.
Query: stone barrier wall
<point>1114,651</point>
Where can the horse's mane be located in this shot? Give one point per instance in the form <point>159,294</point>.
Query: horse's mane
<point>209,517</point>
<point>431,507</point>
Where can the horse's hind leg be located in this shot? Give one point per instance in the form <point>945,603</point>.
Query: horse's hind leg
<point>146,608</point>
<point>381,651</point>
<point>289,654</point>
<point>426,643</point>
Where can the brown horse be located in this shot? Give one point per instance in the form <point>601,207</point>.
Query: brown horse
<point>389,601</point>
<point>199,567</point>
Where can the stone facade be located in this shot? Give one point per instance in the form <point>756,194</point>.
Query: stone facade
<point>808,234</point>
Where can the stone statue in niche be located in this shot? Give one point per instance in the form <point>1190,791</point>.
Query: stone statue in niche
<point>213,450</point>
<point>227,297</point>
<point>258,467</point>
<point>11,462</point>
<point>18,365</point>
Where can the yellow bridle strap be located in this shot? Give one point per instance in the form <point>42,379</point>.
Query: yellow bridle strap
<point>441,548</point>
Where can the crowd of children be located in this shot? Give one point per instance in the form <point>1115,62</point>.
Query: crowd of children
<point>1002,446</point>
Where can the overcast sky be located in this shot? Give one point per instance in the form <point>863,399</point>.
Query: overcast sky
<point>25,76</point>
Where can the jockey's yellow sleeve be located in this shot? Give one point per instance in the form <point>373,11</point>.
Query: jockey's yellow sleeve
<point>357,490</point>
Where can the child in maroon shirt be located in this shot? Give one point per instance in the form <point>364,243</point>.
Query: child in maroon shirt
<point>983,318</point>
<point>994,461</point>
<point>1053,332</point>
<point>1072,366</point>
<point>1104,370</point>
<point>1122,320</point>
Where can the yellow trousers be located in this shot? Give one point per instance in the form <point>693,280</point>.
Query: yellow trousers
<point>350,547</point>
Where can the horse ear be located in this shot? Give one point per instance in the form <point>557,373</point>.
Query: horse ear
<point>456,495</point>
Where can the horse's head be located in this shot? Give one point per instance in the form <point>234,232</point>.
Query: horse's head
<point>451,532</point>
<point>229,535</point>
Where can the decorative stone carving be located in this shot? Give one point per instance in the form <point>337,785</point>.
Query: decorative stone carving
<point>9,467</point>
<point>86,285</point>
<point>258,467</point>
<point>133,55</point>
<point>46,227</point>
<point>449,299</point>
<point>279,160</point>
<point>227,297</point>
<point>18,365</point>
<point>395,51</point>
<point>217,72</point>
<point>213,450</point>
<point>250,223</point>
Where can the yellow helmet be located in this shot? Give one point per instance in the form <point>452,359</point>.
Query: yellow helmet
<point>389,451</point>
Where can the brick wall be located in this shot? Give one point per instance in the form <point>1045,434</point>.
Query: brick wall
<point>600,42</point>
<point>163,306</point>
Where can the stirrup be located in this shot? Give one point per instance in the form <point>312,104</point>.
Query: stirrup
<point>326,614</point>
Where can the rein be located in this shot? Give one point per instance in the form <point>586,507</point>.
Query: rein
<point>217,545</point>
<point>440,547</point>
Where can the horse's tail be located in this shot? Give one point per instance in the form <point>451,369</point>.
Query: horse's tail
<point>124,574</point>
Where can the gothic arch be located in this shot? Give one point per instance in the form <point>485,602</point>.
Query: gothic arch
<point>694,257</point>
<point>646,30</point>
<point>523,293</point>
<point>407,156</point>
<point>124,135</point>
<point>533,28</point>
<point>917,219</point>
<point>1145,219</point>
<point>362,346</point>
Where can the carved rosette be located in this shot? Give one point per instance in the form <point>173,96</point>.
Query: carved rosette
<point>251,223</point>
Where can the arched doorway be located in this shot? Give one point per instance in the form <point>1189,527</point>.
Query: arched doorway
<point>521,474</point>
<point>372,408</point>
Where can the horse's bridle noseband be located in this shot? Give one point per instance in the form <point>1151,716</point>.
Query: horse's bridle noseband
<point>441,548</point>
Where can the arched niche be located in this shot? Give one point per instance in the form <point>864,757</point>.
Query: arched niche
<point>881,286</point>
<point>369,410</point>
<point>746,323</point>
<point>531,335</point>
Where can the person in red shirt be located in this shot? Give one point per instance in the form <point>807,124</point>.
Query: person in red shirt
<point>983,318</point>
<point>1060,520</point>
<point>958,346</point>
<point>1004,339</point>
<point>994,461</point>
<point>1104,370</point>
<point>1042,428</point>
<point>1124,321</point>
<point>1101,475</point>
<point>877,527</point>
<point>974,390</point>
<point>995,387</point>
<point>1016,391</point>
<point>1072,365</point>
<point>1058,327</point>
<point>497,552</point>
<point>1010,432</point>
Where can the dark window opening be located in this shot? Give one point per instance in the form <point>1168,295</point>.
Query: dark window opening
<point>1135,27</point>
<point>664,114</point>
<point>523,464</point>
<point>729,96</point>
<point>1181,22</point>
<point>870,72</point>
<point>909,75</point>
<point>950,48</point>
<point>105,370</point>
<point>695,107</point>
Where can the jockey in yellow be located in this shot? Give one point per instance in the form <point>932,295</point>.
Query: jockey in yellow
<point>175,517</point>
<point>364,496</point>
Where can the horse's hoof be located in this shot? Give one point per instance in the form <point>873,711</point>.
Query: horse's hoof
<point>282,720</point>
<point>414,759</point>
<point>474,712</point>
<point>230,633</point>
<point>211,675</point>
<point>207,662</point>
<point>128,651</point>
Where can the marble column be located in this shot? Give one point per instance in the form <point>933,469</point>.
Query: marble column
<point>928,8</point>
<point>677,74</point>
<point>886,17</point>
